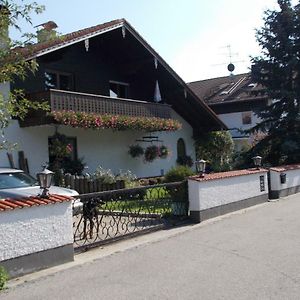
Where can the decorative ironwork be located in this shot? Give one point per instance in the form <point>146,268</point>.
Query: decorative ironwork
<point>107,216</point>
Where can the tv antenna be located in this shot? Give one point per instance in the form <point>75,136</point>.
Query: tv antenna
<point>230,55</point>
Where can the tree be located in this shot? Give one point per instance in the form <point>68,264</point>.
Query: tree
<point>277,70</point>
<point>217,149</point>
<point>13,65</point>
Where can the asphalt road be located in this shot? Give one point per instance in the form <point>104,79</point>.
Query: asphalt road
<point>253,254</point>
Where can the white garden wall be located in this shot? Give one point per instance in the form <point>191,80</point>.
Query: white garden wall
<point>39,228</point>
<point>99,147</point>
<point>35,237</point>
<point>290,186</point>
<point>219,193</point>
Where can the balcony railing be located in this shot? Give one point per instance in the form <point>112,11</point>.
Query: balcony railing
<point>90,103</point>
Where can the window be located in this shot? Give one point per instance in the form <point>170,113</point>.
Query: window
<point>15,180</point>
<point>246,117</point>
<point>181,151</point>
<point>118,89</point>
<point>58,80</point>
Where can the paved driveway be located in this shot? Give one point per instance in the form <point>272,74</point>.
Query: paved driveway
<point>253,254</point>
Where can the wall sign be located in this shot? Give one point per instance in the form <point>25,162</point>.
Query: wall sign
<point>262,183</point>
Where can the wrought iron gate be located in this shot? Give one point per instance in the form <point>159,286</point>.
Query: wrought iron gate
<point>103,217</point>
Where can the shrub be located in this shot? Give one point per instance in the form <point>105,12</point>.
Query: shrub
<point>127,176</point>
<point>185,160</point>
<point>178,173</point>
<point>3,277</point>
<point>217,149</point>
<point>104,175</point>
<point>73,167</point>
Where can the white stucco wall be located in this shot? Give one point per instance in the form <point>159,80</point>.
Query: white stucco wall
<point>99,147</point>
<point>234,120</point>
<point>34,229</point>
<point>213,193</point>
<point>292,179</point>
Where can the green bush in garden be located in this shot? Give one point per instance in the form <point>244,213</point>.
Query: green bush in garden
<point>3,278</point>
<point>178,173</point>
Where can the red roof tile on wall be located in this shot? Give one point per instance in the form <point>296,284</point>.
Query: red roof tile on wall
<point>286,168</point>
<point>10,204</point>
<point>223,175</point>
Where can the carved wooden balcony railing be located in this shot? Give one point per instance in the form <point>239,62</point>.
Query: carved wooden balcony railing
<point>80,102</point>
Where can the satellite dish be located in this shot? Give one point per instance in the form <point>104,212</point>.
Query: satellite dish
<point>230,67</point>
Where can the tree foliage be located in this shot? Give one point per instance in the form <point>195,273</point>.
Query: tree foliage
<point>217,149</point>
<point>13,65</point>
<point>278,70</point>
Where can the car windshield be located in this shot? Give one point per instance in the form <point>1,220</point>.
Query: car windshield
<point>16,180</point>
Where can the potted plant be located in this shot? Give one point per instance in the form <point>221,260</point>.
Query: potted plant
<point>164,151</point>
<point>151,153</point>
<point>136,150</point>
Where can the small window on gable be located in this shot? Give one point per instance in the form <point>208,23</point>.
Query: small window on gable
<point>58,80</point>
<point>118,89</point>
<point>246,117</point>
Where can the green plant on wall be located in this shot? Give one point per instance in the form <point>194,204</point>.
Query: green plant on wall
<point>217,149</point>
<point>135,150</point>
<point>3,278</point>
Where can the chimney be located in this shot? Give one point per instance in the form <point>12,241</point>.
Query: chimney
<point>47,32</point>
<point>4,24</point>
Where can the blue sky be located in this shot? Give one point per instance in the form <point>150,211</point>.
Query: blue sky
<point>191,35</point>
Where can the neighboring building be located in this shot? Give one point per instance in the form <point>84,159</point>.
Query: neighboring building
<point>107,69</point>
<point>234,99</point>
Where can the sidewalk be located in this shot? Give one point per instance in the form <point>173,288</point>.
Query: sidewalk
<point>250,254</point>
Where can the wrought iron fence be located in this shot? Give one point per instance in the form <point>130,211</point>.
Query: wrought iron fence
<point>103,217</point>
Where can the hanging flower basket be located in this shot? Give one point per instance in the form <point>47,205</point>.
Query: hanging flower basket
<point>151,153</point>
<point>135,151</point>
<point>164,151</point>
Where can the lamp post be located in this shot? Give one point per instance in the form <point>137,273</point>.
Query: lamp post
<point>45,180</point>
<point>200,167</point>
<point>257,161</point>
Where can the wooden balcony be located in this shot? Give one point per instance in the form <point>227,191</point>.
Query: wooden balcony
<point>90,103</point>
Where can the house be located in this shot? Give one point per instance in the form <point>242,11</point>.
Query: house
<point>235,99</point>
<point>121,93</point>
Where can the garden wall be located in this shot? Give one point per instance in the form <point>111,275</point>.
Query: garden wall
<point>35,233</point>
<point>285,180</point>
<point>220,193</point>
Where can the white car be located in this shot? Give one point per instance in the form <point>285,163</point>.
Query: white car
<point>15,183</point>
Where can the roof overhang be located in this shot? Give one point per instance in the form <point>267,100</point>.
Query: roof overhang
<point>38,50</point>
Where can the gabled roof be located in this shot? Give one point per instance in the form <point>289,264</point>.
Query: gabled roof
<point>228,89</point>
<point>40,49</point>
<point>36,50</point>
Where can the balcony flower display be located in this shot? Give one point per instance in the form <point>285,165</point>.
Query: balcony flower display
<point>135,150</point>
<point>115,122</point>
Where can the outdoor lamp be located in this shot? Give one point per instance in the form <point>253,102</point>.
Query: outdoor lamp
<point>45,179</point>
<point>200,167</point>
<point>257,161</point>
